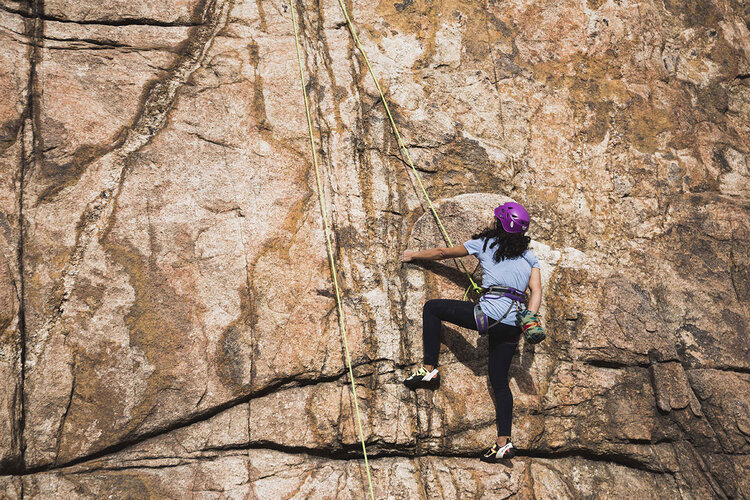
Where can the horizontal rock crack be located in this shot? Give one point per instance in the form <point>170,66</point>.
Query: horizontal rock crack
<point>125,21</point>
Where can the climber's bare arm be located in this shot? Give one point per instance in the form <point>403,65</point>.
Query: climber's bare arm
<point>535,285</point>
<point>435,254</point>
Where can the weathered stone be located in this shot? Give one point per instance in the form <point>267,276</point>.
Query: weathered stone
<point>160,12</point>
<point>725,399</point>
<point>173,301</point>
<point>571,478</point>
<point>74,281</point>
<point>271,474</point>
<point>671,386</point>
<point>10,368</point>
<point>11,487</point>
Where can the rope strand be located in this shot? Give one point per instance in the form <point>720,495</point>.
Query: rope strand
<point>402,146</point>
<point>329,246</point>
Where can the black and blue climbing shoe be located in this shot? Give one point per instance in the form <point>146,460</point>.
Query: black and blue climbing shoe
<point>497,453</point>
<point>424,379</point>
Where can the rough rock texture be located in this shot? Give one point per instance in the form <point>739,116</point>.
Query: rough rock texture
<point>167,322</point>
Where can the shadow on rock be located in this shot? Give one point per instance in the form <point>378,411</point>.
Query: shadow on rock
<point>474,358</point>
<point>450,273</point>
<point>520,368</point>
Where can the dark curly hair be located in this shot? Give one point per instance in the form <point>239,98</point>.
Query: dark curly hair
<point>509,245</point>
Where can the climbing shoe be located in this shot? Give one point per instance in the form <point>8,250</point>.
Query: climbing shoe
<point>423,378</point>
<point>496,453</point>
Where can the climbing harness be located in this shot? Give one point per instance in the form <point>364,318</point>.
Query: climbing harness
<point>531,324</point>
<point>473,286</point>
<point>332,262</point>
<point>517,297</point>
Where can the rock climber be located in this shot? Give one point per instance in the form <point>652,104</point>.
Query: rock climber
<point>509,268</point>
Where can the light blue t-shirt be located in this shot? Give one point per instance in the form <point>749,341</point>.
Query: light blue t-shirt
<point>508,272</point>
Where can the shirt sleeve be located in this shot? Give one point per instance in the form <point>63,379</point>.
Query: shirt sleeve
<point>531,258</point>
<point>474,247</point>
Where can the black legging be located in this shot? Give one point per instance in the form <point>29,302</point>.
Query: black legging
<point>503,342</point>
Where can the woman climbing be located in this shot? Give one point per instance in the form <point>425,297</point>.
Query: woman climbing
<point>508,269</point>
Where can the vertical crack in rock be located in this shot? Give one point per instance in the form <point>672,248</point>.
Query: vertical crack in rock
<point>495,78</point>
<point>61,428</point>
<point>702,467</point>
<point>421,477</point>
<point>31,150</point>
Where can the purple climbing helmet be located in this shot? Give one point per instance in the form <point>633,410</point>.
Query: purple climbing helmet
<point>513,217</point>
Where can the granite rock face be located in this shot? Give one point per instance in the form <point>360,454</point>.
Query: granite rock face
<point>167,316</point>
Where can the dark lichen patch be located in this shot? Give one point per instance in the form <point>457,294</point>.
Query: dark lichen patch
<point>96,396</point>
<point>401,6</point>
<point>58,177</point>
<point>160,317</point>
<point>233,362</point>
<point>595,4</point>
<point>644,122</point>
<point>726,58</point>
<point>9,134</point>
<point>464,162</point>
<point>90,294</point>
<point>423,19</point>
<point>695,13</point>
<point>466,153</point>
<point>475,49</point>
<point>499,27</point>
<point>259,101</point>
<point>700,343</point>
<point>234,350</point>
<point>713,101</point>
<point>740,274</point>
<point>739,324</point>
<point>110,484</point>
<point>720,159</point>
<point>505,67</point>
<point>595,87</point>
<point>321,422</point>
<point>626,399</point>
<point>699,256</point>
<point>159,323</point>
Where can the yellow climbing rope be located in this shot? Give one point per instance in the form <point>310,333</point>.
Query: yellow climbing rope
<point>323,210</point>
<point>402,146</point>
